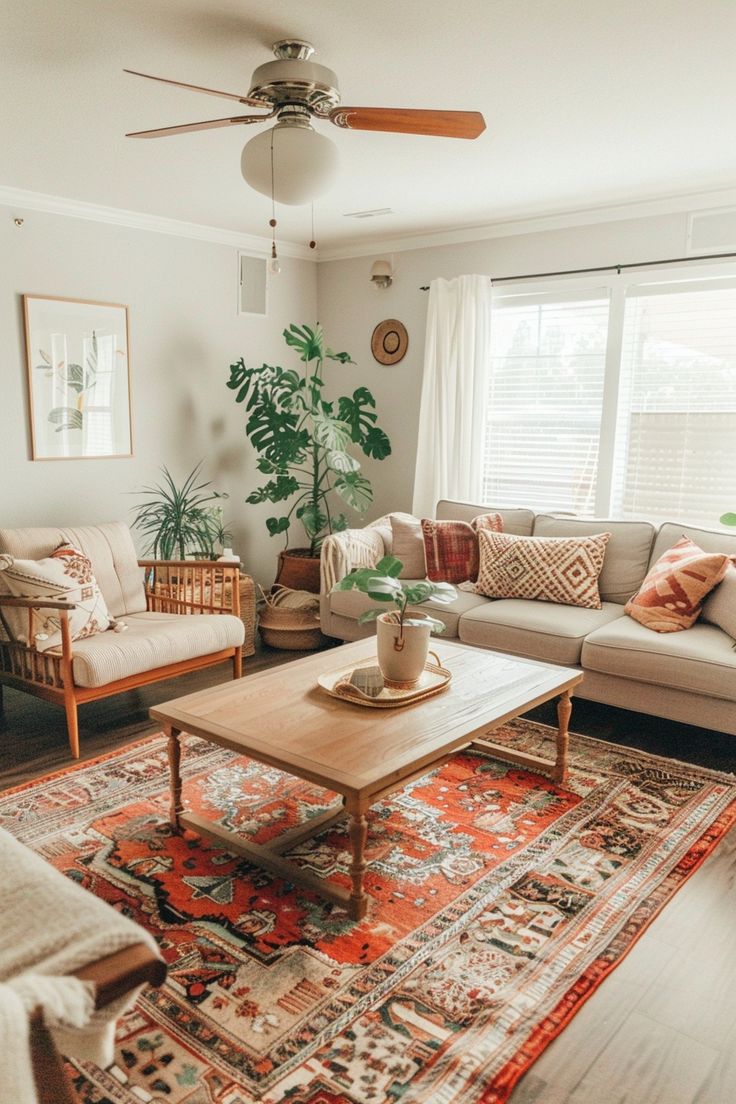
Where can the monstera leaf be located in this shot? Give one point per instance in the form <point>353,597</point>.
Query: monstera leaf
<point>354,489</point>
<point>312,519</point>
<point>376,444</point>
<point>276,490</point>
<point>342,461</point>
<point>330,432</point>
<point>307,342</point>
<point>277,525</point>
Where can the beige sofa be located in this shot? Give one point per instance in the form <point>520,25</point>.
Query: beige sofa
<point>686,676</point>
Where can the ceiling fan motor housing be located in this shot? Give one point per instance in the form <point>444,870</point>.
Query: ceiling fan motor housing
<point>292,78</point>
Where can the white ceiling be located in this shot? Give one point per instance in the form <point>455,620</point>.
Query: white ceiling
<point>587,102</point>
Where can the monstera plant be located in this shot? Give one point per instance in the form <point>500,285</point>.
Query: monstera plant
<point>307,443</point>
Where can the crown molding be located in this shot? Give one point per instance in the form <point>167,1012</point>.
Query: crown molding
<point>21,199</point>
<point>533,224</point>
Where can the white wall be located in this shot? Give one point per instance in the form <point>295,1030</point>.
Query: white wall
<point>184,334</point>
<point>350,308</point>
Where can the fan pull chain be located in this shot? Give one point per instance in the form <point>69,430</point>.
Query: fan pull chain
<point>273,265</point>
<point>313,243</point>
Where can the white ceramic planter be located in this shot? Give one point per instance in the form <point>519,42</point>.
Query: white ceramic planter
<point>402,658</point>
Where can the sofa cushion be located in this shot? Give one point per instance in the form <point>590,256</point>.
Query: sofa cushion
<point>670,598</point>
<point>153,640</point>
<point>538,630</point>
<point>109,547</point>
<point>514,521</point>
<point>351,603</point>
<point>719,608</point>
<point>564,570</point>
<point>701,660</point>
<point>407,544</point>
<point>627,552</point>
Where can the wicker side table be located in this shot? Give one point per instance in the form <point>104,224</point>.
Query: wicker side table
<point>248,613</point>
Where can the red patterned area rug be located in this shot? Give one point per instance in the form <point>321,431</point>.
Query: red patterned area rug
<point>499,903</point>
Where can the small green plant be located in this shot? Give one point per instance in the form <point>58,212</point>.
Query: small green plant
<point>382,584</point>
<point>181,520</point>
<point>728,519</point>
<point>302,439</point>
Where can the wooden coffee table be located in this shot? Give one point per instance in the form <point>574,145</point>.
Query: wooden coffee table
<point>282,718</point>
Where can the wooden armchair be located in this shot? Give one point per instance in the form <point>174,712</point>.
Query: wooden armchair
<point>155,600</point>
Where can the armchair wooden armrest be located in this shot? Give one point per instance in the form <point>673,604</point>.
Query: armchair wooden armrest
<point>191,586</point>
<point>36,603</point>
<point>114,976</point>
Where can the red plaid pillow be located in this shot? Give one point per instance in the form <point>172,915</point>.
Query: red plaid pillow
<point>451,547</point>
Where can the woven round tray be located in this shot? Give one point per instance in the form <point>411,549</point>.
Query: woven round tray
<point>433,680</point>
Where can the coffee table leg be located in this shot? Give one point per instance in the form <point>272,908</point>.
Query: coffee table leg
<point>174,750</point>
<point>564,709</point>
<point>358,829</point>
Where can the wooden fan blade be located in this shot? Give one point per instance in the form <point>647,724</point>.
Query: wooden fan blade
<point>208,124</point>
<point>443,124</point>
<point>198,88</point>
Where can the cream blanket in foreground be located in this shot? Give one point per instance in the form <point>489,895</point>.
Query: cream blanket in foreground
<point>49,926</point>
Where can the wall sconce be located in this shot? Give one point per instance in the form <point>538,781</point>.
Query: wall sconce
<point>382,274</point>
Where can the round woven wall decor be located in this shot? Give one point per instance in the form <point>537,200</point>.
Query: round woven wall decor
<point>390,341</point>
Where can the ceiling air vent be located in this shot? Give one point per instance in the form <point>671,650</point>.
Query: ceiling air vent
<point>368,214</point>
<point>712,231</point>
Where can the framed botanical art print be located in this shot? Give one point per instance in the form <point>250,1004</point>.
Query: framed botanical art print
<point>78,378</point>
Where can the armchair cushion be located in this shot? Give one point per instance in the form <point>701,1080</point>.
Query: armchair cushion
<point>66,575</point>
<point>153,640</point>
<point>109,547</point>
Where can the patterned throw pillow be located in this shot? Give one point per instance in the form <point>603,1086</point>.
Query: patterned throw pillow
<point>548,569</point>
<point>451,547</point>
<point>65,575</point>
<point>670,598</point>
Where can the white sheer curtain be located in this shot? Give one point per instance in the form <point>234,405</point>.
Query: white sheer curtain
<point>454,392</point>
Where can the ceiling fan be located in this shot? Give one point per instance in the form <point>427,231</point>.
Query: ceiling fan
<point>296,89</point>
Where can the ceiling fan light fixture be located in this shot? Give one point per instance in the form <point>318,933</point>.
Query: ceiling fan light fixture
<point>305,162</point>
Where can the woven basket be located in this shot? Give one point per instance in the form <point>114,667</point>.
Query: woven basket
<point>289,619</point>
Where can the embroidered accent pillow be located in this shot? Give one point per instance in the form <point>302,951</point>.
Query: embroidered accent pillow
<point>65,575</point>
<point>671,596</point>
<point>451,547</point>
<point>547,569</point>
<point>407,544</point>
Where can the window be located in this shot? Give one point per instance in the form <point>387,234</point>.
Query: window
<point>615,400</point>
<point>676,431</point>
<point>545,401</point>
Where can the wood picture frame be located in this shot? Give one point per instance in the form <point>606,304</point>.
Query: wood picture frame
<point>78,364</point>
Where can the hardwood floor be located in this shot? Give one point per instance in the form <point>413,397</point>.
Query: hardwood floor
<point>660,1030</point>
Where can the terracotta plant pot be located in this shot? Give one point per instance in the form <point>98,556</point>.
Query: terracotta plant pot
<point>298,570</point>
<point>402,656</point>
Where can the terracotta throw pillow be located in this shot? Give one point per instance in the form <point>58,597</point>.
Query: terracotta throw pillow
<point>451,547</point>
<point>65,575</point>
<point>547,569</point>
<point>407,544</point>
<point>670,598</point>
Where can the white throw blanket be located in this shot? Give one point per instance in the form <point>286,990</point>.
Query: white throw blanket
<point>49,926</point>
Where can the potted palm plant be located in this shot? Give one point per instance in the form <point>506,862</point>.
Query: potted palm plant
<point>305,444</point>
<point>402,638</point>
<point>177,521</point>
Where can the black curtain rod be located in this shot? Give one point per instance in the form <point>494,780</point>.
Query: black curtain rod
<point>618,268</point>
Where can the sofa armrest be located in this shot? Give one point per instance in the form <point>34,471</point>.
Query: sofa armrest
<point>191,586</point>
<point>343,552</point>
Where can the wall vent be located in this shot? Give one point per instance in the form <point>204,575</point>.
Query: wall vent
<point>368,214</point>
<point>711,231</point>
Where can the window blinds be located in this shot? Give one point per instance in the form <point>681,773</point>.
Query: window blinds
<point>675,442</point>
<point>545,399</point>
